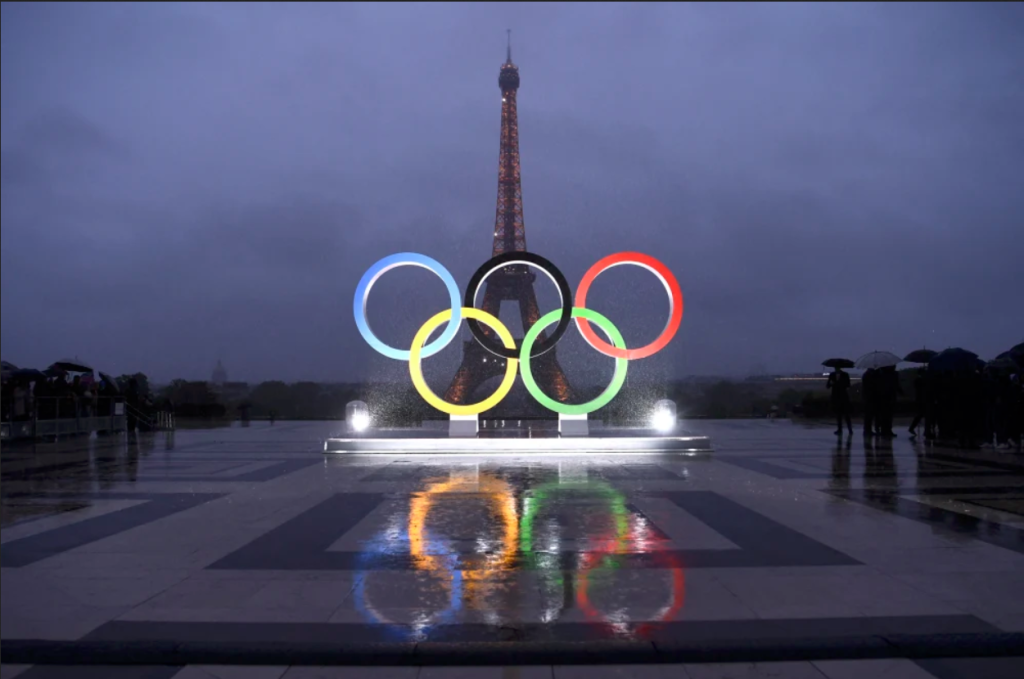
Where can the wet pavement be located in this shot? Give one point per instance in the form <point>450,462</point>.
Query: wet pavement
<point>250,537</point>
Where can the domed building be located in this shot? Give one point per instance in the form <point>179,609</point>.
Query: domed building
<point>220,375</point>
<point>228,392</point>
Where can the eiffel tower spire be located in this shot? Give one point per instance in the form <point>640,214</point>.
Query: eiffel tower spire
<point>513,283</point>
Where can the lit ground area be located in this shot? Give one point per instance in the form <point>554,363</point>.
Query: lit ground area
<point>246,552</point>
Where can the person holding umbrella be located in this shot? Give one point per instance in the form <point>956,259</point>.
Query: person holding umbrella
<point>839,384</point>
<point>873,384</point>
<point>924,395</point>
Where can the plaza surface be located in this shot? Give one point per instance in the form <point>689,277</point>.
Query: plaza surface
<point>782,554</point>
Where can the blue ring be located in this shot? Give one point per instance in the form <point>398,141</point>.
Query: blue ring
<point>378,270</point>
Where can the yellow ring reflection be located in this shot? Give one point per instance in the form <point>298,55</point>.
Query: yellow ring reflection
<point>502,501</point>
<point>416,369</point>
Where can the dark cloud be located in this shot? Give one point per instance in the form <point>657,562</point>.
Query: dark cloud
<point>183,182</point>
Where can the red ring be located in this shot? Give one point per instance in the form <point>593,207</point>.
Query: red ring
<point>675,301</point>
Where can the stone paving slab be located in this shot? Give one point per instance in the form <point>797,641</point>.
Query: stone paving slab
<point>247,537</point>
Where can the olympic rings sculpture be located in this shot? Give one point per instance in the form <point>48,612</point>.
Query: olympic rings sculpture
<point>518,360</point>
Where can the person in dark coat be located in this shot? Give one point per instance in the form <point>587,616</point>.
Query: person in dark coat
<point>133,401</point>
<point>869,388</point>
<point>923,398</point>
<point>839,384</point>
<point>888,392</point>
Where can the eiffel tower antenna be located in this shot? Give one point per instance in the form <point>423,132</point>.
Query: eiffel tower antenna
<point>514,282</point>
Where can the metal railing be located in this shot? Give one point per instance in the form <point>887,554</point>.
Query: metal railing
<point>55,417</point>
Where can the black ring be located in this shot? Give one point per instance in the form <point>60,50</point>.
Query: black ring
<point>495,263</point>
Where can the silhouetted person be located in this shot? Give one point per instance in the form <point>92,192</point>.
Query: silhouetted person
<point>839,383</point>
<point>869,390</point>
<point>923,409</point>
<point>133,401</point>
<point>273,416</point>
<point>888,392</point>
<point>970,408</point>
<point>989,407</point>
<point>1015,407</point>
<point>1008,411</point>
<point>945,405</point>
<point>20,402</point>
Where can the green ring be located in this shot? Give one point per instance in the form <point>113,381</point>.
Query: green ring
<point>618,378</point>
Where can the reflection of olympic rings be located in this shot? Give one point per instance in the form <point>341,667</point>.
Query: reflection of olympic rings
<point>433,556</point>
<point>531,346</point>
<point>540,494</point>
<point>547,562</point>
<point>400,628</point>
<point>469,577</point>
<point>603,558</point>
<point>502,501</point>
<point>666,614</point>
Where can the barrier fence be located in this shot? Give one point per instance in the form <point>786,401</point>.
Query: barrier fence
<point>55,417</point>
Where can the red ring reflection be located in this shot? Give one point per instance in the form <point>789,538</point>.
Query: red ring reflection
<point>617,546</point>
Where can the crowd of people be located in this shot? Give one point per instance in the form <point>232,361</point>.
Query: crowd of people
<point>56,395</point>
<point>968,408</point>
<point>59,395</point>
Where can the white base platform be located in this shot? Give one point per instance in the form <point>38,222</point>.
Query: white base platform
<point>401,442</point>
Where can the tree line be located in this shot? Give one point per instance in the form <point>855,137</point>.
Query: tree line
<point>400,405</point>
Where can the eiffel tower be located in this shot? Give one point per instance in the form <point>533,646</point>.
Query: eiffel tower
<point>513,283</point>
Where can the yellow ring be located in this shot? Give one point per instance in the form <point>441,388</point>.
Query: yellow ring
<point>416,370</point>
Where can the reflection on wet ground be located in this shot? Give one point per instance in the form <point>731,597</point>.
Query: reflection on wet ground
<point>33,473</point>
<point>253,534</point>
<point>473,533</point>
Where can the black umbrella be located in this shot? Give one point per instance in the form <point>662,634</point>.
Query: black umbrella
<point>878,359</point>
<point>110,380</point>
<point>72,365</point>
<point>27,375</point>
<point>1009,356</point>
<point>954,359</point>
<point>1004,363</point>
<point>1017,352</point>
<point>838,363</point>
<point>920,356</point>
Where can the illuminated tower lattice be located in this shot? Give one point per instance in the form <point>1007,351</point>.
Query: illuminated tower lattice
<point>513,283</point>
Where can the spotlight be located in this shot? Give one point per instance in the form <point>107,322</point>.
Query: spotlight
<point>361,422</point>
<point>664,416</point>
<point>357,416</point>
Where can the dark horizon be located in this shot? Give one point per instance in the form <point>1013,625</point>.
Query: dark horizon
<point>183,183</point>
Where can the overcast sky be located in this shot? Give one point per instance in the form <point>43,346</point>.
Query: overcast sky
<point>188,182</point>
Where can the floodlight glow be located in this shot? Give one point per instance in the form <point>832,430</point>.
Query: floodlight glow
<point>664,416</point>
<point>361,421</point>
<point>663,420</point>
<point>357,415</point>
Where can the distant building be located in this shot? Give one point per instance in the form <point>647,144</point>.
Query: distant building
<point>227,391</point>
<point>220,375</point>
